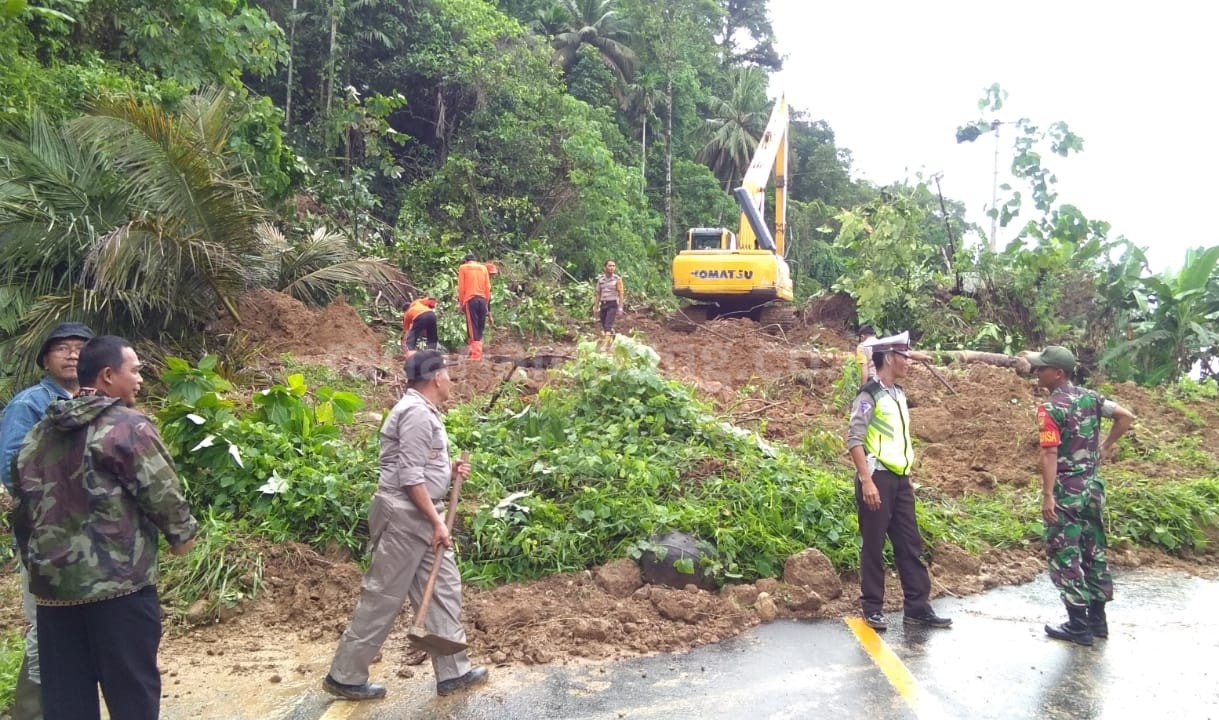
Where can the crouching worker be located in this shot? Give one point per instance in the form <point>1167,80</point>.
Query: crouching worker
<point>419,321</point>
<point>405,523</point>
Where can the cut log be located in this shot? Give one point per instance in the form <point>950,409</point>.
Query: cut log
<point>812,359</point>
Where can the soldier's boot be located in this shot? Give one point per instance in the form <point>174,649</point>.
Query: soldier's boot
<point>27,697</point>
<point>1075,629</point>
<point>1097,620</point>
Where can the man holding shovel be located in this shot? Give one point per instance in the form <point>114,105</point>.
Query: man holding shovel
<point>408,534</point>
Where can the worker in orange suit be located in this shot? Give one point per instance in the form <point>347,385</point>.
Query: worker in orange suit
<point>419,321</point>
<point>474,298</point>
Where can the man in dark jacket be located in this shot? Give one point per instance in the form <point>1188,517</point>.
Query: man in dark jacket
<point>95,487</point>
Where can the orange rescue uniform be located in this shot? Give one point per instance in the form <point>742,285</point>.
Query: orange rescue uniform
<point>473,280</point>
<point>416,309</point>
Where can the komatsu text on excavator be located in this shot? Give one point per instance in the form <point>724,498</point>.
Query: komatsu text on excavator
<point>743,274</point>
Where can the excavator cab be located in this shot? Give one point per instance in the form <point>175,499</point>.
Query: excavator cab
<point>711,239</point>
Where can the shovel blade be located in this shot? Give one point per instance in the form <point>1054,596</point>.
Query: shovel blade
<point>434,644</point>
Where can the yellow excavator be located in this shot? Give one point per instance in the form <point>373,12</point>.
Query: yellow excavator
<point>744,274</point>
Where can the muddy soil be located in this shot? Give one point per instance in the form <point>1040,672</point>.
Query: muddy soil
<point>973,438</point>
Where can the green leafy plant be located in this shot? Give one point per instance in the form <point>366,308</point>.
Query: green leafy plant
<point>280,465</point>
<point>12,652</point>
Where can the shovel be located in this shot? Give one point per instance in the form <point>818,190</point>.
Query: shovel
<point>418,635</point>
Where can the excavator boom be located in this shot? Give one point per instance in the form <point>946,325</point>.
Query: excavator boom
<point>740,272</point>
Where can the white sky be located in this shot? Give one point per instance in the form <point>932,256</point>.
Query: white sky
<point>895,79</point>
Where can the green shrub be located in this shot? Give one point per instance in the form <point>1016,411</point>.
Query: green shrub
<point>12,651</point>
<point>281,465</point>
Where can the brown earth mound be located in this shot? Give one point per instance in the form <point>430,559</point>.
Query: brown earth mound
<point>334,335</point>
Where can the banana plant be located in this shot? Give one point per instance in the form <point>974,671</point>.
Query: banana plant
<point>1177,323</point>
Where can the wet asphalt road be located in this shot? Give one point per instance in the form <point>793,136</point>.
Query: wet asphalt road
<point>1161,661</point>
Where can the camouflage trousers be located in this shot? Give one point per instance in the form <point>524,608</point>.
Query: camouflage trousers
<point>1075,543</point>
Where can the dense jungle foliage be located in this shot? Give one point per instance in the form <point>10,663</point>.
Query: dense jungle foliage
<point>160,157</point>
<point>157,158</point>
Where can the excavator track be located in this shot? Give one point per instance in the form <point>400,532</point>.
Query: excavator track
<point>777,319</point>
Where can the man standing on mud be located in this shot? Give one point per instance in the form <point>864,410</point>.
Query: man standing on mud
<point>474,298</point>
<point>1072,495</point>
<point>57,357</point>
<point>610,298</point>
<point>405,525</point>
<point>878,440</point>
<point>95,487</point>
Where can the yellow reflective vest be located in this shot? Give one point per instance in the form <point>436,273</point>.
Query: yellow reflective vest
<point>888,436</point>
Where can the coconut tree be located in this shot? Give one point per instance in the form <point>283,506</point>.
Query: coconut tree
<point>735,125</point>
<point>595,23</point>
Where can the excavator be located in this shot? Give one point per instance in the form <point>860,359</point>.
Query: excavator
<point>744,274</point>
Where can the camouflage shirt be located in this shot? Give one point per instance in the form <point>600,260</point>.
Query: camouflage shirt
<point>1070,421</point>
<point>94,486</point>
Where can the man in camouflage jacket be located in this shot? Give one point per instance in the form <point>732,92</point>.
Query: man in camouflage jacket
<point>57,357</point>
<point>94,487</point>
<point>1073,496</point>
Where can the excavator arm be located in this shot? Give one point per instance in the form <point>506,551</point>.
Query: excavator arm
<point>770,158</point>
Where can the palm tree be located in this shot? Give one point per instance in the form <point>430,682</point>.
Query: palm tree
<point>314,270</point>
<point>595,23</point>
<point>130,219</point>
<point>735,125</point>
<point>639,104</point>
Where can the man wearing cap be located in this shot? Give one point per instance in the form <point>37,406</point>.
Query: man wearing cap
<point>474,298</point>
<point>405,524</point>
<point>95,489</point>
<point>878,439</point>
<point>419,321</point>
<point>57,357</point>
<point>1072,495</point>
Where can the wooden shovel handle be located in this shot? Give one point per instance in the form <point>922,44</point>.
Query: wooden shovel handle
<point>449,517</point>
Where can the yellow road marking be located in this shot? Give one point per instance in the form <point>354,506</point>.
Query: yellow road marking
<point>924,705</point>
<point>339,710</point>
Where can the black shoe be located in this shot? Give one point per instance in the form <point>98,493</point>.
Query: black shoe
<point>473,677</point>
<point>928,618</point>
<point>367,691</point>
<point>1097,620</point>
<point>1076,629</point>
<point>876,621</point>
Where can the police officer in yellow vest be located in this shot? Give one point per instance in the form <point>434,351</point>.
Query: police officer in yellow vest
<point>878,439</point>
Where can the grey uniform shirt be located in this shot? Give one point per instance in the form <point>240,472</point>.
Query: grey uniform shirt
<point>414,449</point>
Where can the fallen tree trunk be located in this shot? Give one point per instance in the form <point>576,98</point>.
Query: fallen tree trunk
<point>1019,364</point>
<point>814,360</point>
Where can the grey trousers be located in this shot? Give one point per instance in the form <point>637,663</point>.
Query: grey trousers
<point>401,562</point>
<point>33,667</point>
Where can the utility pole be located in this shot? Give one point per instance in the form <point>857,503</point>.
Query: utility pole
<point>994,192</point>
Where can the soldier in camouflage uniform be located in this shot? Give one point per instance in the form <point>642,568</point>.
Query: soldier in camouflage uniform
<point>1073,496</point>
<point>95,486</point>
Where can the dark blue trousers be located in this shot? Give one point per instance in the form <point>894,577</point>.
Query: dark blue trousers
<point>112,643</point>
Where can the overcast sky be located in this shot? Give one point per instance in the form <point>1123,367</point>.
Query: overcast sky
<point>1137,82</point>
